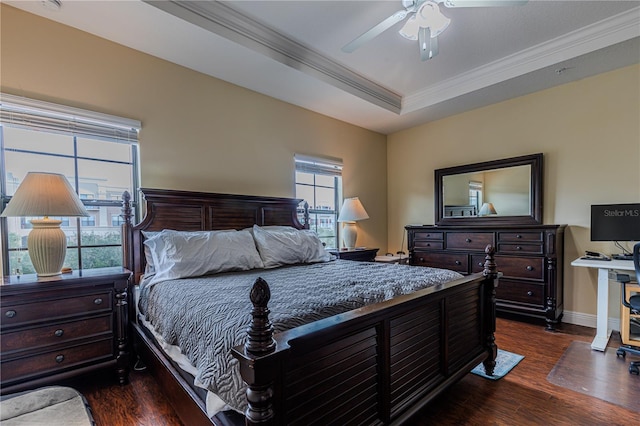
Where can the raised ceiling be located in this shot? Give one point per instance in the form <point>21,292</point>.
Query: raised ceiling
<point>291,50</point>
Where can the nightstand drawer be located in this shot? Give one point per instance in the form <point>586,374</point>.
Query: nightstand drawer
<point>53,334</point>
<point>17,314</point>
<point>50,362</point>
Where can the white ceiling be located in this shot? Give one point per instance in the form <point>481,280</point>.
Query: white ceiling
<point>291,50</point>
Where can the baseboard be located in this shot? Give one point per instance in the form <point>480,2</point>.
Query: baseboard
<point>588,320</point>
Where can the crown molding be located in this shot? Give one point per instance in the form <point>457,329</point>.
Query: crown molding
<point>607,32</point>
<point>221,19</point>
<point>228,23</point>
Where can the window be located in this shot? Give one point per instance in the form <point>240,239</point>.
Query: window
<point>319,183</point>
<point>97,153</point>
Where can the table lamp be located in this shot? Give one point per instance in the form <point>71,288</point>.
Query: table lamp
<point>351,212</point>
<point>487,209</point>
<point>45,194</point>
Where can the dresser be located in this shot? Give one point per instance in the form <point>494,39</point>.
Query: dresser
<point>529,257</point>
<point>56,328</point>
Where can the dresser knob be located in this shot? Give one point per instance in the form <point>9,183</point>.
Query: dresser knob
<point>529,293</point>
<point>10,314</point>
<point>518,236</point>
<point>480,264</point>
<point>468,240</point>
<point>518,248</point>
<point>421,259</point>
<point>98,301</point>
<point>59,358</point>
<point>529,268</point>
<point>458,262</point>
<point>59,332</point>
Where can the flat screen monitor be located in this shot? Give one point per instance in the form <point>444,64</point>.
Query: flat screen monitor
<point>615,222</point>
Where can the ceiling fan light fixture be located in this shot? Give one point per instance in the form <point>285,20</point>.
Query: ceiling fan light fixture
<point>429,15</point>
<point>410,29</point>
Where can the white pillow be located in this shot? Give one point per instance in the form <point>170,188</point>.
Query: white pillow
<point>149,268</point>
<point>181,254</point>
<point>282,246</point>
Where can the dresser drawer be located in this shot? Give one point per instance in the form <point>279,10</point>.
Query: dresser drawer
<point>15,314</point>
<point>520,236</point>
<point>520,292</point>
<point>429,245</point>
<point>521,267</point>
<point>428,235</point>
<point>516,248</point>
<point>469,240</point>
<point>52,361</point>
<point>455,262</point>
<point>53,334</point>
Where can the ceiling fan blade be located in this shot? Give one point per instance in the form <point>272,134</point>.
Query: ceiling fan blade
<point>481,3</point>
<point>377,30</point>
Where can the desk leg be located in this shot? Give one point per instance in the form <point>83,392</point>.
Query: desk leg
<point>602,331</point>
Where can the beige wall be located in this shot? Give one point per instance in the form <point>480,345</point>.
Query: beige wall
<point>198,132</point>
<point>589,132</point>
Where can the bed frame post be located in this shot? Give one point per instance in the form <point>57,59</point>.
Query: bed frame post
<point>127,215</point>
<point>258,369</point>
<point>491,273</point>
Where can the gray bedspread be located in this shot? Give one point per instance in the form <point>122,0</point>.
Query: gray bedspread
<point>207,316</point>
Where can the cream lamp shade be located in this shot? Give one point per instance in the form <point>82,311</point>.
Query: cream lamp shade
<point>352,211</point>
<point>45,194</point>
<point>487,209</point>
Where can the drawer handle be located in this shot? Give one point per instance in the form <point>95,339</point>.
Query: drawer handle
<point>529,268</point>
<point>428,244</point>
<point>59,358</point>
<point>59,332</point>
<point>98,301</point>
<point>468,240</point>
<point>518,236</point>
<point>10,314</point>
<point>518,248</point>
<point>481,264</point>
<point>421,259</point>
<point>529,293</point>
<point>458,262</point>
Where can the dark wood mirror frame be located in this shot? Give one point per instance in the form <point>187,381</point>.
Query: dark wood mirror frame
<point>535,192</point>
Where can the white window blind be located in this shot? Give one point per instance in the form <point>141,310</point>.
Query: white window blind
<point>20,112</point>
<point>319,166</point>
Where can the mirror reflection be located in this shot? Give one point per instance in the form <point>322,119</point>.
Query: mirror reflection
<point>497,192</point>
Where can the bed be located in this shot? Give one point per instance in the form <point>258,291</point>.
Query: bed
<point>376,364</point>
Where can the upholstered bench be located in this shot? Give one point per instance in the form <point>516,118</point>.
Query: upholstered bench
<point>54,405</point>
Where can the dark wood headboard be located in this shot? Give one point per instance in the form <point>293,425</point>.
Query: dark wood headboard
<point>200,211</point>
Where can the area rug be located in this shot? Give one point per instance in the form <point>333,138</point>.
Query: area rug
<point>505,361</point>
<point>598,374</point>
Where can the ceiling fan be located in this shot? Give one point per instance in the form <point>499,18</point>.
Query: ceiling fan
<point>425,24</point>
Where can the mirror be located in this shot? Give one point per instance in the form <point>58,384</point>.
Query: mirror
<point>499,192</point>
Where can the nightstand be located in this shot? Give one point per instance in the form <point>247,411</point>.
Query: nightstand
<point>60,327</point>
<point>360,255</point>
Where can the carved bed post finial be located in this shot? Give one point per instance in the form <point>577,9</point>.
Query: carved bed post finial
<point>491,274</point>
<point>260,330</point>
<point>260,342</point>
<point>125,229</point>
<point>306,215</point>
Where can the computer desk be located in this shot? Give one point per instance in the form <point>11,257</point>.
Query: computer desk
<point>606,271</point>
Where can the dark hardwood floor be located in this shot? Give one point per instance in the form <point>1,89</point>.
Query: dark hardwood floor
<point>523,397</point>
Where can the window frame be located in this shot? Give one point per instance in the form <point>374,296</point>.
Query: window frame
<point>324,167</point>
<point>34,115</point>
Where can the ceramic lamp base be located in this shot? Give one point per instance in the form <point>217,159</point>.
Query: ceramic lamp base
<point>349,234</point>
<point>47,245</point>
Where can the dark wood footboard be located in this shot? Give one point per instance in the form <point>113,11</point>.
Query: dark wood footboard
<point>374,365</point>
